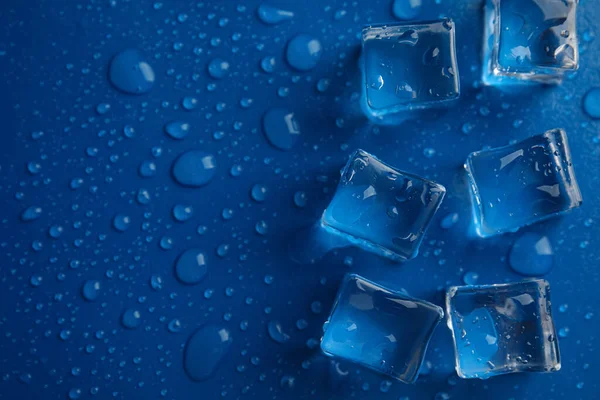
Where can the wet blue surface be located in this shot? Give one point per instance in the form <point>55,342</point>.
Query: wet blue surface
<point>89,189</point>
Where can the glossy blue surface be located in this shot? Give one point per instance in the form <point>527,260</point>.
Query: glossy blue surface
<point>522,183</point>
<point>530,41</point>
<point>381,329</point>
<point>382,209</point>
<point>408,67</point>
<point>501,329</point>
<point>67,171</point>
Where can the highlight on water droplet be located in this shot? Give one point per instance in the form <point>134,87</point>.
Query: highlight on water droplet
<point>205,350</point>
<point>131,73</point>
<point>281,128</point>
<point>304,52</point>
<point>194,168</point>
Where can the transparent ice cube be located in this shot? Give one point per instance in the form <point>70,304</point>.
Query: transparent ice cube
<point>529,41</point>
<point>408,67</point>
<point>522,183</point>
<point>500,329</point>
<point>382,209</point>
<point>379,328</point>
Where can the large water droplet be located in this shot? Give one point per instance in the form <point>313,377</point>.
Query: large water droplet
<point>190,267</point>
<point>531,255</point>
<point>406,9</point>
<point>194,168</point>
<point>272,16</point>
<point>218,68</point>
<point>304,52</point>
<point>31,214</point>
<point>591,103</point>
<point>130,72</point>
<point>281,128</point>
<point>204,351</point>
<point>131,318</point>
<point>276,332</point>
<point>177,129</point>
<point>121,222</point>
<point>91,290</point>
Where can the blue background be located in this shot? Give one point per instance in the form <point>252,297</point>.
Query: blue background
<point>54,57</point>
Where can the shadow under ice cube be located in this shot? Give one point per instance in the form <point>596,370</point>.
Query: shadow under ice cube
<point>529,41</point>
<point>382,209</point>
<point>408,67</point>
<point>379,328</point>
<point>522,183</point>
<point>500,329</point>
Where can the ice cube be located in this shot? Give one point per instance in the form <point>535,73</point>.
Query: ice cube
<point>500,329</point>
<point>408,67</point>
<point>529,41</point>
<point>382,209</point>
<point>523,183</point>
<point>380,328</point>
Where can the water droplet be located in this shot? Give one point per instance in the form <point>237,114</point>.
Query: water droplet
<point>303,52</point>
<point>406,9</point>
<point>449,220</point>
<point>272,16</point>
<point>563,332</point>
<point>182,213</point>
<point>174,326</point>
<point>259,193</point>
<point>276,332</point>
<point>323,84</point>
<point>156,282</point>
<point>143,196</point>
<point>300,199</point>
<point>189,103</point>
<point>591,103</point>
<point>268,64</point>
<point>131,318</point>
<point>147,169</point>
<point>287,382</point>
<point>471,278</point>
<point>194,168</point>
<point>218,68</point>
<point>261,228</point>
<point>121,222</point>
<point>281,128</point>
<point>129,72</point>
<point>204,351</point>
<point>91,290</point>
<point>55,231</point>
<point>190,267</point>
<point>531,255</point>
<point>102,108</point>
<point>31,214</point>
<point>177,129</point>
